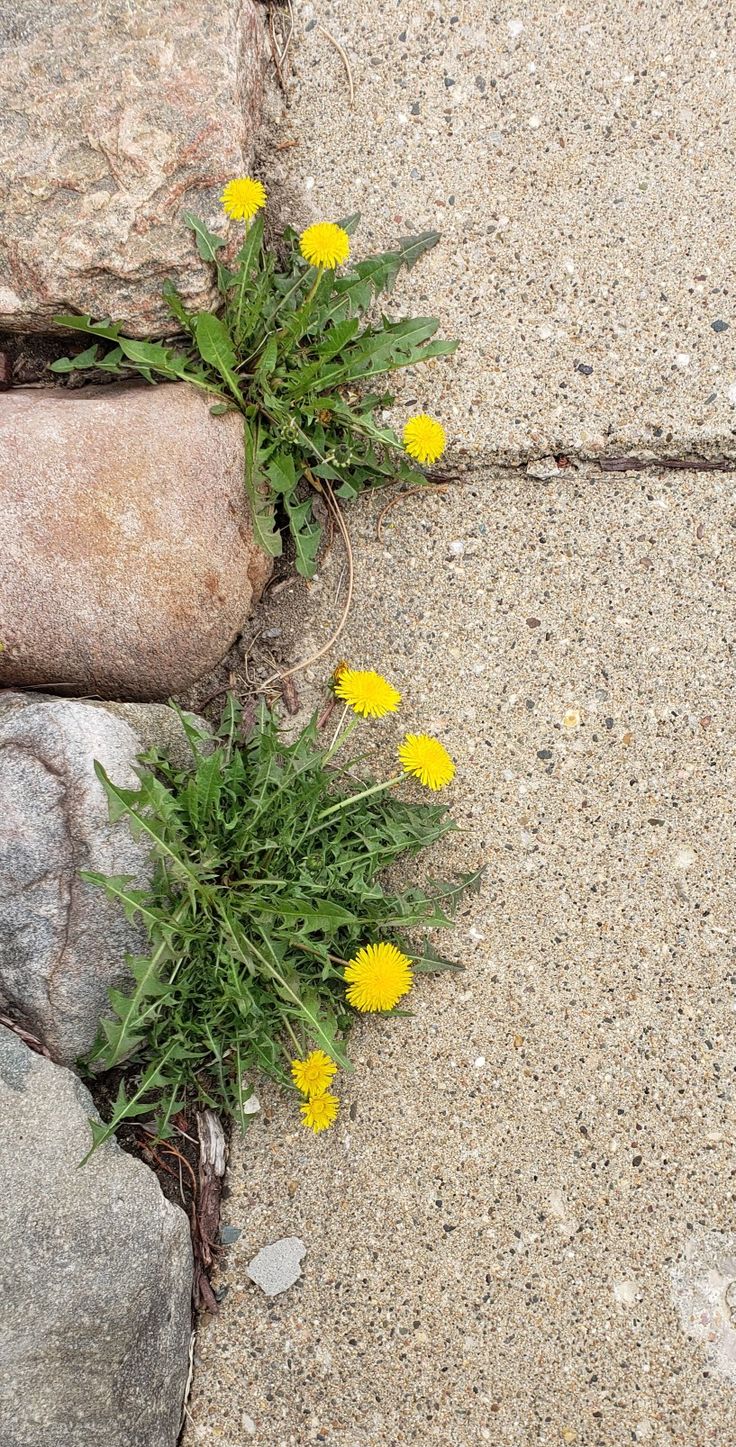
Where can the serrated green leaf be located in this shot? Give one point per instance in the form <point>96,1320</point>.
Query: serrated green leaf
<point>123,801</point>
<point>264,527</point>
<point>281,473</point>
<point>216,347</point>
<point>135,902</point>
<point>428,961</point>
<point>268,358</point>
<point>107,329</point>
<point>208,244</point>
<point>175,304</point>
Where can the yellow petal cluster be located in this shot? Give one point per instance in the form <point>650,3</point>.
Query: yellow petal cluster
<point>325,245</point>
<point>242,198</point>
<point>319,1112</point>
<point>424,438</point>
<point>427,760</point>
<point>367,693</point>
<point>313,1075</point>
<point>377,977</point>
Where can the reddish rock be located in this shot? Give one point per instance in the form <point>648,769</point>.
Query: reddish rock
<point>128,565</point>
<point>118,118</point>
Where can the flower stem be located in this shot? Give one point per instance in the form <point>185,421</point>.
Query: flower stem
<point>240,298</point>
<point>339,738</point>
<point>313,288</point>
<point>364,794</point>
<point>297,1046</point>
<point>331,749</point>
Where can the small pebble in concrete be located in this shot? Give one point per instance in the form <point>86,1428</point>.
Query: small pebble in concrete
<point>276,1267</point>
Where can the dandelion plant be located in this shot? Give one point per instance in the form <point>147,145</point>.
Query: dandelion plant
<point>292,350</point>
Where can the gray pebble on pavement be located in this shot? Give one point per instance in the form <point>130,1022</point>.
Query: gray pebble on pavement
<point>276,1267</point>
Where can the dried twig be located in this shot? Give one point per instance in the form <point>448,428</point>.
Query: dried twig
<point>344,57</point>
<point>327,712</point>
<point>279,56</point>
<point>290,695</point>
<point>206,1224</point>
<point>185,1413</point>
<point>25,1036</point>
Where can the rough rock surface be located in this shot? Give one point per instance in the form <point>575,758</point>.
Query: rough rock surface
<point>129,564</point>
<point>62,943</point>
<point>95,1275</point>
<point>117,119</point>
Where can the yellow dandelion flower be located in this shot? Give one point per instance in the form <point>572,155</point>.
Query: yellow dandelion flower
<point>319,1112</point>
<point>242,198</point>
<point>367,693</point>
<point>427,760</point>
<point>424,438</point>
<point>325,245</point>
<point>314,1075</point>
<point>378,977</point>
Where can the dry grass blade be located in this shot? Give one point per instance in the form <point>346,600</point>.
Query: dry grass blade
<point>344,57</point>
<point>279,54</point>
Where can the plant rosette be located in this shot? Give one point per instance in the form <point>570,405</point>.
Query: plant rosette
<point>270,921</point>
<point>290,350</point>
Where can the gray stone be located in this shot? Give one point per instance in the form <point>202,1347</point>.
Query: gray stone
<point>158,727</point>
<point>117,119</point>
<point>128,502</point>
<point>95,1275</point>
<point>276,1267</point>
<point>62,942</point>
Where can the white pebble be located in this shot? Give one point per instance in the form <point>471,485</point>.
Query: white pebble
<point>515,28</point>
<point>731,394</point>
<point>682,361</point>
<point>534,123</point>
<point>457,548</point>
<point>479,1062</point>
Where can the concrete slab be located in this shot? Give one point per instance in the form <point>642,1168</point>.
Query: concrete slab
<point>579,164</point>
<point>521,1229</point>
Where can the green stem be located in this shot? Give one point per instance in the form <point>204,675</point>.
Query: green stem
<point>310,294</point>
<point>242,293</point>
<point>336,959</point>
<point>289,1030</point>
<point>364,794</point>
<point>339,738</point>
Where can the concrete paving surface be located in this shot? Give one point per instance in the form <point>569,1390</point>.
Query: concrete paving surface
<point>578,161</point>
<point>522,1228</point>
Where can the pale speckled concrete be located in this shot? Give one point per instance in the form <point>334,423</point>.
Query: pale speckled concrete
<point>529,1197</point>
<point>578,161</point>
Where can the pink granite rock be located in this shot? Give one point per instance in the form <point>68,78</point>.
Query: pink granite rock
<point>128,564</point>
<point>117,118</point>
